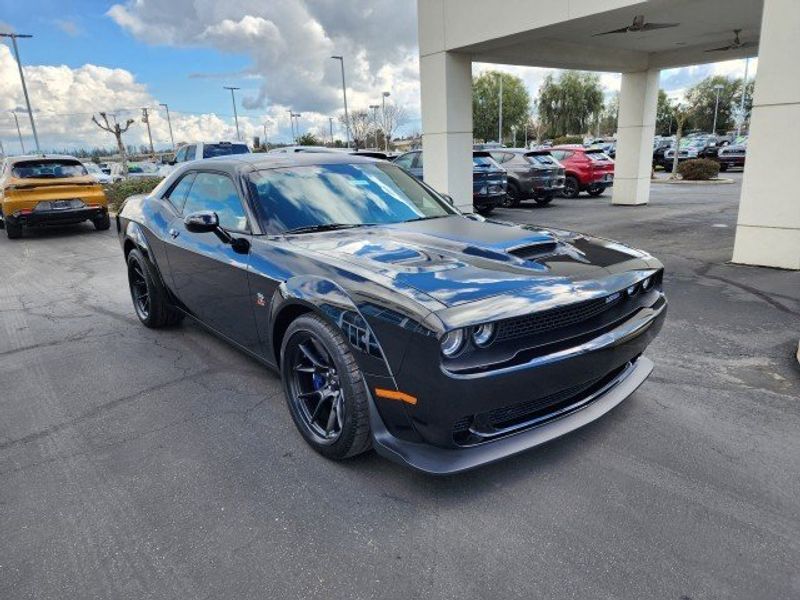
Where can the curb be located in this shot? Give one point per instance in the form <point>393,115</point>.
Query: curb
<point>718,181</point>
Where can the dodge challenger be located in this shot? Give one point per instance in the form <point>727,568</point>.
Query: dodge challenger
<point>442,340</point>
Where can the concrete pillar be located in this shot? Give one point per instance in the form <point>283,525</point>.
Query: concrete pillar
<point>638,98</point>
<point>446,88</point>
<point>768,230</point>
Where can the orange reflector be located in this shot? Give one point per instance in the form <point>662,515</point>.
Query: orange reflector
<point>395,395</point>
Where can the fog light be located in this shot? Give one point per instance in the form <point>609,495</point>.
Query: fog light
<point>452,342</point>
<point>483,335</point>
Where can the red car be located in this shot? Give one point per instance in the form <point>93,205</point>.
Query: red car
<point>587,170</point>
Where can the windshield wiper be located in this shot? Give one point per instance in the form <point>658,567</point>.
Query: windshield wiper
<point>323,227</point>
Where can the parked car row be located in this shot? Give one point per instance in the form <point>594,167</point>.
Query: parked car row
<point>727,150</point>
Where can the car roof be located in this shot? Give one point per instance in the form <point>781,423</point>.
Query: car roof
<point>261,160</point>
<point>27,157</point>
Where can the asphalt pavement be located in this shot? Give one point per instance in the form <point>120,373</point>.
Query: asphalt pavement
<point>164,464</point>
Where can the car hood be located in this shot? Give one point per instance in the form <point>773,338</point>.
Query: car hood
<point>457,259</point>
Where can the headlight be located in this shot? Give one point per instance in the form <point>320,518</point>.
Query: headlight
<point>452,342</point>
<point>647,283</point>
<point>483,335</point>
<point>633,289</point>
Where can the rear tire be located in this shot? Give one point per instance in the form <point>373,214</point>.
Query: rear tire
<point>324,388</point>
<point>513,197</point>
<point>544,200</point>
<point>13,229</point>
<point>723,167</point>
<point>484,212</point>
<point>102,223</point>
<point>150,300</point>
<point>571,187</point>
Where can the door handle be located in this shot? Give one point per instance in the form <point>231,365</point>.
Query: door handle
<point>174,233</point>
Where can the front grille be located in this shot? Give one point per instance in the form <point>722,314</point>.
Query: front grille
<point>501,421</point>
<point>555,318</point>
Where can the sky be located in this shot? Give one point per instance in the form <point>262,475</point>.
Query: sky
<point>90,55</point>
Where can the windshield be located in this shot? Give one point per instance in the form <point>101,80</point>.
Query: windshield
<point>48,169</point>
<point>223,149</point>
<point>341,194</point>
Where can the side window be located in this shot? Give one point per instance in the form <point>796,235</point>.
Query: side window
<point>217,193</point>
<point>405,160</point>
<point>418,160</point>
<point>191,150</point>
<point>181,155</point>
<point>177,195</point>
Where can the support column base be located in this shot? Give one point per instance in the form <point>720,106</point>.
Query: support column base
<point>767,247</point>
<point>631,192</point>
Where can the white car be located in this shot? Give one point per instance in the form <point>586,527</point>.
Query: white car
<point>201,150</point>
<point>97,174</point>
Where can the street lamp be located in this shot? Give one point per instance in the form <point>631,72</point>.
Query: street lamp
<point>235,116</point>
<point>169,122</point>
<point>344,95</point>
<point>330,124</point>
<point>744,94</point>
<point>266,142</point>
<point>374,108</point>
<point>719,87</point>
<point>14,37</point>
<point>19,133</point>
<point>383,114</point>
<point>297,125</point>
<point>500,114</point>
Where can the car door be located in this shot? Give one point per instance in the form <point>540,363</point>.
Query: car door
<point>209,276</point>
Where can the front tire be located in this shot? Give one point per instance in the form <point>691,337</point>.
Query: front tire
<point>148,294</point>
<point>571,187</point>
<point>324,389</point>
<point>544,199</point>
<point>596,190</point>
<point>513,197</point>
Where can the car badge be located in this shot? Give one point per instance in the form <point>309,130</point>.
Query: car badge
<point>260,300</point>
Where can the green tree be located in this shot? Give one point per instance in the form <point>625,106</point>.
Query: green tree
<point>308,139</point>
<point>570,103</point>
<point>607,124</point>
<point>702,97</point>
<point>485,104</point>
<point>665,115</point>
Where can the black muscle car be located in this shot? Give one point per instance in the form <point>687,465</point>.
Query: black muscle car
<point>442,340</point>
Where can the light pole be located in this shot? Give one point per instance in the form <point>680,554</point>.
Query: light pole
<point>500,118</point>
<point>330,124</point>
<point>374,108</point>
<point>266,142</point>
<point>146,121</point>
<point>297,125</point>
<point>744,93</point>
<point>169,122</point>
<point>291,124</point>
<point>514,135</point>
<point>383,116</point>
<point>14,37</point>
<point>19,133</point>
<point>718,88</point>
<point>344,96</point>
<point>235,116</point>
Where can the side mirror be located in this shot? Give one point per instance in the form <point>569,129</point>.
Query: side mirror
<point>204,221</point>
<point>449,199</point>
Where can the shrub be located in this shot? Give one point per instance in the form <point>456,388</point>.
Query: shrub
<point>698,169</point>
<point>568,139</point>
<point>117,192</point>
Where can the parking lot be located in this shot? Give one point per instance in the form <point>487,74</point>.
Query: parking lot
<point>137,463</point>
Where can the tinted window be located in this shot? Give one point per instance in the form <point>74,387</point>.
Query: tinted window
<point>418,160</point>
<point>223,149</point>
<point>181,155</point>
<point>541,159</point>
<point>211,191</point>
<point>352,194</point>
<point>597,156</point>
<point>405,160</point>
<point>177,195</point>
<point>48,169</point>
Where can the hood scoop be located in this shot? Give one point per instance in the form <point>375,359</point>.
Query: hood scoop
<point>534,251</point>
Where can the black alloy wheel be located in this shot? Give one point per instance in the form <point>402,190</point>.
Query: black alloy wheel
<point>513,197</point>
<point>324,388</point>
<point>148,294</point>
<point>571,187</point>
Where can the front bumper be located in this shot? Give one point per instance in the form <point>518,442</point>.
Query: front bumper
<point>57,217</point>
<point>612,358</point>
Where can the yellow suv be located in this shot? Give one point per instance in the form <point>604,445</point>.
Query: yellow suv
<point>49,190</point>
